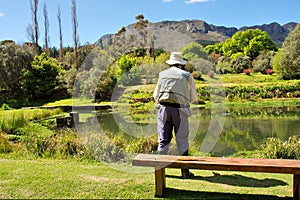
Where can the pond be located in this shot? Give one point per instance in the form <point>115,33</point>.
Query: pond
<point>230,130</point>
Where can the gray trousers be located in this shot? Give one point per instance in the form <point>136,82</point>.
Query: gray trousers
<point>169,119</point>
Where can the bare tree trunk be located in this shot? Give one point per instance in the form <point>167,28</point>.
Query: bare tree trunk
<point>75,34</point>
<point>33,29</point>
<point>46,24</point>
<point>61,50</point>
<point>34,10</point>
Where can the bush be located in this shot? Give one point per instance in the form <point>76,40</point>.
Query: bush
<point>43,142</point>
<point>277,149</point>
<point>240,63</point>
<point>197,75</point>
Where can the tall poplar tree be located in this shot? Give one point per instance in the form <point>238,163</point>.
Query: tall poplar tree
<point>75,32</point>
<point>61,50</point>
<point>46,26</point>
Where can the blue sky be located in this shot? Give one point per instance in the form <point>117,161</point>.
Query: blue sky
<point>99,17</point>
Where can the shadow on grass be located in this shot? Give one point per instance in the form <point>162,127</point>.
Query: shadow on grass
<point>185,194</point>
<point>238,180</point>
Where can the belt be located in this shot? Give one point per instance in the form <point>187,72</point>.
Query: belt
<point>174,105</point>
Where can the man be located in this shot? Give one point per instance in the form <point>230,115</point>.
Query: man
<point>173,94</point>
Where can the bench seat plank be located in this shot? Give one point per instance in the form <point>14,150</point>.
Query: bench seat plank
<point>160,162</point>
<point>216,163</point>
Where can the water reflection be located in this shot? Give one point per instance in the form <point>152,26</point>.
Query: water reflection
<point>245,128</point>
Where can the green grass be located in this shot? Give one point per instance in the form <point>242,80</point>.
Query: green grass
<point>73,101</point>
<point>61,179</point>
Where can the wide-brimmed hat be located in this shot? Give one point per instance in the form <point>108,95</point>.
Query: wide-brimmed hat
<point>176,58</point>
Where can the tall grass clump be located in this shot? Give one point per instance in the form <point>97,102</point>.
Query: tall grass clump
<point>5,146</point>
<point>275,148</point>
<point>42,142</point>
<point>10,120</point>
<point>105,149</point>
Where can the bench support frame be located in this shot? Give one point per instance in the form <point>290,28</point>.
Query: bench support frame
<point>296,186</point>
<point>160,181</point>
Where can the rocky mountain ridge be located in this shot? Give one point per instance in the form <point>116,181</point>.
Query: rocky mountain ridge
<point>205,33</point>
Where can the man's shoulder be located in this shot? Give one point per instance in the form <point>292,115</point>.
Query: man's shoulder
<point>175,71</point>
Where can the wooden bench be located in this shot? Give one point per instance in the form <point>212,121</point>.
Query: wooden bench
<point>160,162</point>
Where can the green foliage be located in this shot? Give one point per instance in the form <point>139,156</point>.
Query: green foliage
<point>40,80</point>
<point>129,75</point>
<point>5,146</point>
<point>224,67</point>
<point>43,142</point>
<point>14,59</point>
<point>201,65</point>
<point>11,120</point>
<point>277,149</point>
<point>263,62</point>
<point>276,61</point>
<point>249,43</point>
<point>193,51</point>
<point>105,149</point>
<point>126,63</point>
<point>240,63</point>
<point>132,77</point>
<point>289,66</point>
<point>214,48</point>
<point>5,107</point>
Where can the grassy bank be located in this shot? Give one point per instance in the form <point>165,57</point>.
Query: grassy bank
<point>62,179</point>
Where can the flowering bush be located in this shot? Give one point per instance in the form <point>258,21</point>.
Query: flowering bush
<point>247,71</point>
<point>269,71</point>
<point>211,74</point>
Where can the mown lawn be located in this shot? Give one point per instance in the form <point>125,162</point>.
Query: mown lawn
<point>61,179</point>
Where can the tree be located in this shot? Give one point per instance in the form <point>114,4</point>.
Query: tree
<point>75,32</point>
<point>289,66</point>
<point>146,39</point>
<point>193,51</point>
<point>33,29</point>
<point>129,75</point>
<point>61,50</point>
<point>14,59</point>
<point>248,43</point>
<point>46,26</point>
<point>40,79</point>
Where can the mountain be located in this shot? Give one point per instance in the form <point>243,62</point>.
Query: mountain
<point>206,33</point>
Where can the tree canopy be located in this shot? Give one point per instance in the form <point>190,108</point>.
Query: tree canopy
<point>289,65</point>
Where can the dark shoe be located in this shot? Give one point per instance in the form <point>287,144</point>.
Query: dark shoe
<point>185,174</point>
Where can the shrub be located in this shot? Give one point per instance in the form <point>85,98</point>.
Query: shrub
<point>211,74</point>
<point>241,63</point>
<point>197,75</point>
<point>277,149</point>
<point>269,71</point>
<point>247,71</point>
<point>5,107</point>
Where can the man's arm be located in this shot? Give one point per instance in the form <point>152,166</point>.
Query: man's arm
<point>193,91</point>
<point>156,93</point>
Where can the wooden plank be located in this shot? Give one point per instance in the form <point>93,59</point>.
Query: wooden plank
<point>215,163</point>
<point>296,186</point>
<point>160,181</point>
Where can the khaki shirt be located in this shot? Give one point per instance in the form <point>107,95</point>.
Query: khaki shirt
<point>176,86</point>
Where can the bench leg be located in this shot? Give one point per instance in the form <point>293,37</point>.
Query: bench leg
<point>296,186</point>
<point>160,181</point>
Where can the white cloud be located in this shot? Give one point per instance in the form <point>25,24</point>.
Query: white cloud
<point>196,1</point>
<point>167,0</point>
<point>1,14</point>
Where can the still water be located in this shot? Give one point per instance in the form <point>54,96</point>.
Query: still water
<point>222,134</point>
